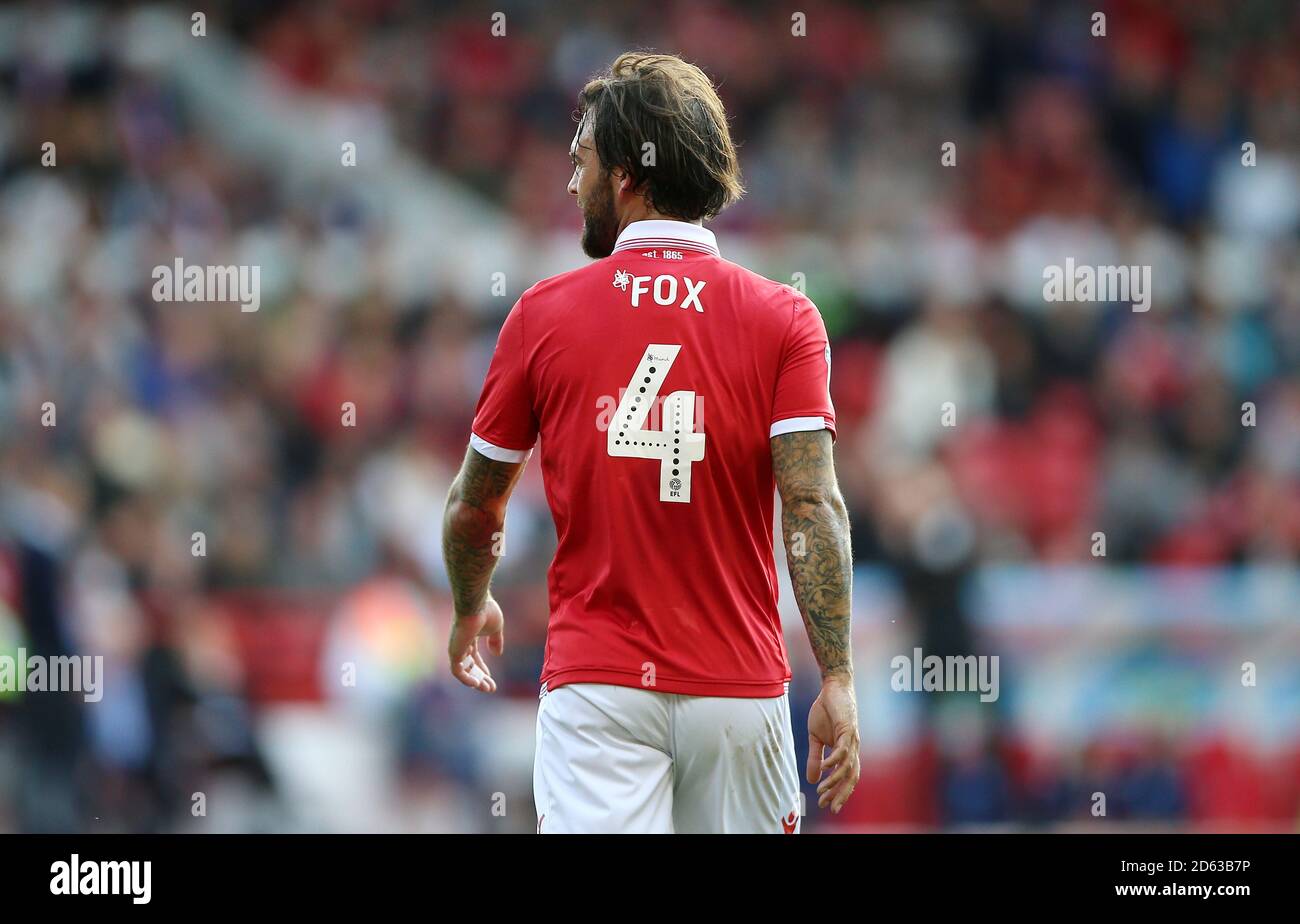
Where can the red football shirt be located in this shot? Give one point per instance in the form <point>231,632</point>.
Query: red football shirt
<point>655,379</point>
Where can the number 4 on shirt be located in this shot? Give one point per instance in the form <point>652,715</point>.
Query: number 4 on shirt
<point>676,446</point>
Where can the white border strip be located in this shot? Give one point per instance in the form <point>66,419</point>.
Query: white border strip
<point>798,424</point>
<point>497,453</point>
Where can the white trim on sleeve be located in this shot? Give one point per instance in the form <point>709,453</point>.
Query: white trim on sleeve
<point>798,424</point>
<point>497,453</point>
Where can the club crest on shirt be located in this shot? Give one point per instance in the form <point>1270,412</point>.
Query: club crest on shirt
<point>622,279</point>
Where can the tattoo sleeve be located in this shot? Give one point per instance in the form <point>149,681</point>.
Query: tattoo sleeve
<point>471,527</point>
<point>815,525</point>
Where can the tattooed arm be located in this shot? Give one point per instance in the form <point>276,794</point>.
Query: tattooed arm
<point>816,529</point>
<point>815,525</point>
<point>471,533</point>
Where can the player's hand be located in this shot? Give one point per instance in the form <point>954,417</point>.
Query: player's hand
<point>833,723</point>
<point>467,664</point>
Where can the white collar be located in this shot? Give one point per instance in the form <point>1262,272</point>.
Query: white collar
<point>663,232</point>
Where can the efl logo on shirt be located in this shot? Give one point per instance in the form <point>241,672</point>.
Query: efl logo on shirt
<point>664,289</point>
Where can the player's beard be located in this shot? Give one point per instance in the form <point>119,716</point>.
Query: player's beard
<point>599,223</point>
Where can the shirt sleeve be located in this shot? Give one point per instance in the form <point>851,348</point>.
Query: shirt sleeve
<point>803,384</point>
<point>505,427</point>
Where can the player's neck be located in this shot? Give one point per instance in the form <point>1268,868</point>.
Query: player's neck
<point>642,213</point>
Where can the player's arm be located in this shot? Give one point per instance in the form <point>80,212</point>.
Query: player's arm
<point>815,526</point>
<point>471,529</point>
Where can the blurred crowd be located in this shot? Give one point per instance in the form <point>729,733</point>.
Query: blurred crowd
<point>181,491</point>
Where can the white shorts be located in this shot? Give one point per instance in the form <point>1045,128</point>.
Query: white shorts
<point>614,759</point>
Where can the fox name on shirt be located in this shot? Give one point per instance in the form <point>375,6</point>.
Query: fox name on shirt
<point>664,289</point>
